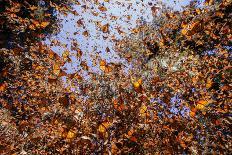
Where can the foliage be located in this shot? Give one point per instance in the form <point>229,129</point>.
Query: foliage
<point>22,22</point>
<point>175,99</point>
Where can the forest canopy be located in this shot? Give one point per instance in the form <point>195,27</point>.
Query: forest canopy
<point>175,98</point>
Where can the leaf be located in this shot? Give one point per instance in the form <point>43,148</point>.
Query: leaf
<point>105,28</point>
<point>133,139</point>
<point>184,25</point>
<point>80,23</point>
<point>114,148</point>
<point>65,56</point>
<point>95,13</point>
<point>32,27</point>
<point>118,105</point>
<point>84,65</point>
<point>64,100</point>
<point>104,67</point>
<point>130,136</point>
<point>191,28</point>
<point>201,104</point>
<point>3,87</point>
<point>184,31</point>
<point>209,83</point>
<point>78,77</point>
<point>108,49</point>
<point>56,69</point>
<point>198,11</point>
<point>71,134</point>
<point>85,33</point>
<point>36,23</point>
<point>32,8</point>
<point>194,80</point>
<point>226,88</point>
<point>137,84</point>
<point>103,127</point>
<point>108,69</point>
<point>155,9</point>
<point>143,111</point>
<point>44,24</point>
<point>182,144</point>
<point>79,53</point>
<point>209,2</point>
<point>52,79</point>
<point>102,8</point>
<point>192,112</point>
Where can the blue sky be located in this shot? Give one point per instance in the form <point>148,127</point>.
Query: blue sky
<point>126,17</point>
